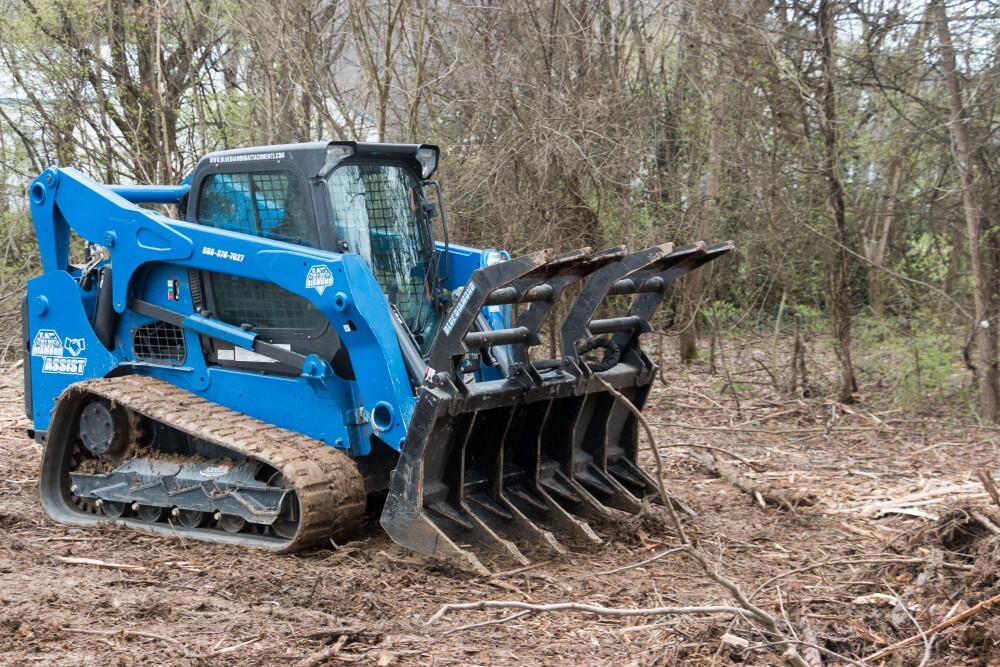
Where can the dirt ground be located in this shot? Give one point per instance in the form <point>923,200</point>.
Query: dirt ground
<point>898,539</point>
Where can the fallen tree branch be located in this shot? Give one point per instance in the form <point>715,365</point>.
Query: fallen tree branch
<point>590,609</point>
<point>985,476</point>
<point>783,499</point>
<point>781,431</point>
<point>948,622</point>
<point>713,448</point>
<point>985,521</point>
<point>791,655</point>
<point>320,657</point>
<point>640,564</point>
<point>70,560</point>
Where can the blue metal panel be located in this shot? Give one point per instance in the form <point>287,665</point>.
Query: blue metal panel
<point>64,348</point>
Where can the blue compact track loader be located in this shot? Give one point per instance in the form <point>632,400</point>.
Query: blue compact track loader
<point>297,348</point>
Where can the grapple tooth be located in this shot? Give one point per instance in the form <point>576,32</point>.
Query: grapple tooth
<point>528,472</point>
<point>594,478</point>
<point>555,486</point>
<point>491,506</point>
<point>629,474</point>
<point>450,513</point>
<point>524,496</point>
<point>603,418</point>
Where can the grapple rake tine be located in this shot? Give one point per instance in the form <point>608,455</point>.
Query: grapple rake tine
<point>421,460</point>
<point>563,452</point>
<point>576,326</point>
<point>679,263</point>
<point>484,461</point>
<point>450,510</point>
<point>525,490</point>
<point>598,430</point>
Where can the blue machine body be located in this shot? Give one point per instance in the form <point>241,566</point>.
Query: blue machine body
<point>153,258</point>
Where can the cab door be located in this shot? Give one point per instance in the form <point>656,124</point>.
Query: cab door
<point>269,201</point>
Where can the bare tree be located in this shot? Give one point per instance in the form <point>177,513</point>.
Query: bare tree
<point>984,338</point>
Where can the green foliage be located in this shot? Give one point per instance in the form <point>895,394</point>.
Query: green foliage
<point>917,364</point>
<point>927,255</point>
<point>722,313</point>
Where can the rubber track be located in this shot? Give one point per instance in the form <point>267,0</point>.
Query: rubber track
<point>331,491</point>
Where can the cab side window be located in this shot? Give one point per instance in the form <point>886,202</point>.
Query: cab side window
<point>268,204</point>
<point>262,203</point>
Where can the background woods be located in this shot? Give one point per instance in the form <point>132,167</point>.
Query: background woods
<point>849,148</point>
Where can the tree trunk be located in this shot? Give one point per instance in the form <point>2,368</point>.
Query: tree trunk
<point>840,313</point>
<point>984,355</point>
<point>693,290</point>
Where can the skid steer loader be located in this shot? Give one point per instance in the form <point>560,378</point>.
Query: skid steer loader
<point>297,347</point>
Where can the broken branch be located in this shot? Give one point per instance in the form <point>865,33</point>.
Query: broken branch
<point>783,499</point>
<point>948,622</point>
<point>99,563</point>
<point>589,609</point>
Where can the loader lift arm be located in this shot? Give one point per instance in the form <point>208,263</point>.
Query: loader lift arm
<point>64,199</point>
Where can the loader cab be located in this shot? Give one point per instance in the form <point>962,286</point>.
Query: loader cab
<point>338,196</point>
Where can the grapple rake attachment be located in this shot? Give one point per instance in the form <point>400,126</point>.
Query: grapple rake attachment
<point>538,456</point>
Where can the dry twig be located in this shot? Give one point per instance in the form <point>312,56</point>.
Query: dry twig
<point>320,657</point>
<point>948,622</point>
<point>590,609</point>
<point>640,564</point>
<point>985,476</point>
<point>99,563</point>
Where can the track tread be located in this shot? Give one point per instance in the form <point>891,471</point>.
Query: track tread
<point>330,489</point>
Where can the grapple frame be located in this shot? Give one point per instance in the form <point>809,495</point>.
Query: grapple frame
<point>490,465</point>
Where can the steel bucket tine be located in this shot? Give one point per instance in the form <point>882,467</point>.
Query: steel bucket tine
<point>525,489</point>
<point>466,481</point>
<point>404,517</point>
<point>604,424</point>
<point>484,465</point>
<point>560,456</point>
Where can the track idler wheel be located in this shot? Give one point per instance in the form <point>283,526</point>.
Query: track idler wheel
<point>115,510</point>
<point>106,431</point>
<point>231,523</point>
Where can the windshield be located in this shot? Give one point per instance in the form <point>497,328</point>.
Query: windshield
<point>377,214</point>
